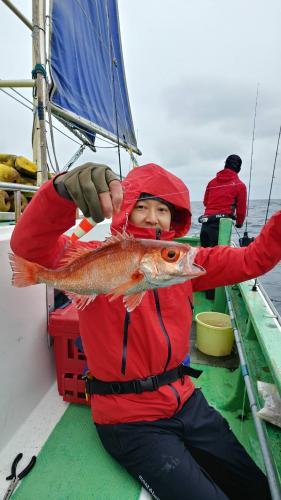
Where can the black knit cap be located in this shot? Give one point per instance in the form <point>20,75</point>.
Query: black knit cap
<point>233,162</point>
<point>147,196</point>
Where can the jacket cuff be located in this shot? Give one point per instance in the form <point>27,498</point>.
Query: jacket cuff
<point>60,188</point>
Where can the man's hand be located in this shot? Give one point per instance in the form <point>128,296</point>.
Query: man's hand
<point>94,188</point>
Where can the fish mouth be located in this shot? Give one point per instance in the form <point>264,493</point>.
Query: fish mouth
<point>196,270</point>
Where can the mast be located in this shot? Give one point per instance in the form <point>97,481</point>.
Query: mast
<point>39,141</point>
<point>39,83</point>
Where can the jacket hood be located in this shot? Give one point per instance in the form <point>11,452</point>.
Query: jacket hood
<point>226,175</point>
<point>153,179</point>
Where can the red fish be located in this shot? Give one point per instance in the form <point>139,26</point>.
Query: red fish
<point>122,265</point>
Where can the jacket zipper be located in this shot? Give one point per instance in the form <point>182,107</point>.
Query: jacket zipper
<point>125,342</point>
<point>158,309</point>
<point>163,328</point>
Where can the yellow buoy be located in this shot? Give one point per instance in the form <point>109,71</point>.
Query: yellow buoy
<point>7,159</point>
<point>23,202</point>
<point>5,203</point>
<point>214,333</point>
<point>26,167</point>
<point>7,173</point>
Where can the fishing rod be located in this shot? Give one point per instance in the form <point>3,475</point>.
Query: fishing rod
<point>245,240</point>
<point>272,177</point>
<point>270,191</point>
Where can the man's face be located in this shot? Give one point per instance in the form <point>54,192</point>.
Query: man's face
<point>151,214</point>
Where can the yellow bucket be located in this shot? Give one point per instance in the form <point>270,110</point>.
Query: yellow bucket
<point>214,333</point>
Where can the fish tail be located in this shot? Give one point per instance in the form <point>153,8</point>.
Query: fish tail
<point>25,273</point>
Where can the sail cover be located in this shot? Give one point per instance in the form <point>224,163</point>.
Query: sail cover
<point>89,90</point>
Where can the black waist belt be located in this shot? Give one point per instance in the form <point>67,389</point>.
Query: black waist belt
<point>214,217</point>
<point>138,386</point>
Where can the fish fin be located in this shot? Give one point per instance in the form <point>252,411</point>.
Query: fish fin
<point>116,237</point>
<point>81,301</point>
<point>73,251</point>
<point>132,301</point>
<point>25,273</point>
<point>136,277</point>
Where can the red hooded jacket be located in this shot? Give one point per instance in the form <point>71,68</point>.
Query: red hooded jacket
<point>156,337</point>
<point>226,194</point>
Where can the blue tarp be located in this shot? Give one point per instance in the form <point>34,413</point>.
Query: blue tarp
<point>84,42</point>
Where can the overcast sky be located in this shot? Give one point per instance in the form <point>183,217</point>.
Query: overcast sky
<point>192,70</point>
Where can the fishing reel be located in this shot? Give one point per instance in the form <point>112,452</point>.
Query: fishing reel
<point>245,240</point>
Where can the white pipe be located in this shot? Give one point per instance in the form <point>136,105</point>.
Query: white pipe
<point>18,13</point>
<point>17,83</point>
<point>12,186</point>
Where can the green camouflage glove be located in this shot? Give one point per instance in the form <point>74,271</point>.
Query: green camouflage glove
<point>84,186</point>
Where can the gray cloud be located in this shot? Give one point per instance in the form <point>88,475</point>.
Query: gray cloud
<point>192,86</point>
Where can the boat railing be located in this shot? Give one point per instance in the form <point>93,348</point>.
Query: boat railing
<point>25,188</point>
<point>269,302</point>
<point>18,189</point>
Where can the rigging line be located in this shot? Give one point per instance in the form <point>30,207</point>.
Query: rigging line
<point>269,197</point>
<point>21,95</point>
<point>104,140</point>
<point>54,127</point>
<point>72,128</point>
<point>113,66</point>
<point>239,235</point>
<point>116,119</point>
<point>252,151</point>
<point>52,133</point>
<point>31,109</point>
<point>15,99</point>
<point>74,158</point>
<point>159,195</point>
<point>63,133</point>
<point>50,160</point>
<point>71,125</point>
<point>272,177</point>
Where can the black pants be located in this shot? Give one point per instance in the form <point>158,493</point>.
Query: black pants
<point>209,237</point>
<point>193,456</point>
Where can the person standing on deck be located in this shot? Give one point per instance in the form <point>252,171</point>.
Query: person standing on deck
<point>147,411</point>
<point>225,196</point>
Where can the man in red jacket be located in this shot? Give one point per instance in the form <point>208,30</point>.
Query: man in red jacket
<point>225,196</point>
<point>147,412</point>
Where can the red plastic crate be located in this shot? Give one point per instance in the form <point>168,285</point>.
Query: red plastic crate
<point>70,363</point>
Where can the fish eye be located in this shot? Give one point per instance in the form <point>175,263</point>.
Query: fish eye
<point>170,254</point>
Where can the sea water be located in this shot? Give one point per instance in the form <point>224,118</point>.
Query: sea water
<point>255,221</point>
